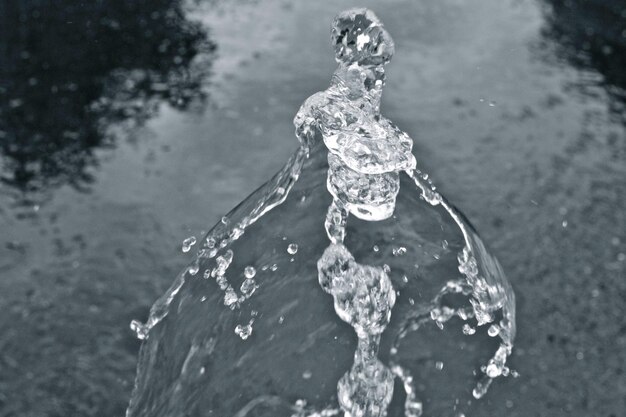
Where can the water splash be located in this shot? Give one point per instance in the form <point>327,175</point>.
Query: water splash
<point>365,159</point>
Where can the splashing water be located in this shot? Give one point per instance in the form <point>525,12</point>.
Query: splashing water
<point>355,174</point>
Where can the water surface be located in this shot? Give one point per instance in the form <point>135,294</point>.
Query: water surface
<point>125,129</point>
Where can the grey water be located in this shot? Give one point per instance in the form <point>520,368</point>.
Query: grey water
<point>123,130</point>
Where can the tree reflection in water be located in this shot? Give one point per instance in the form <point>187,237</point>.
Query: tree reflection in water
<point>591,34</point>
<point>70,70</point>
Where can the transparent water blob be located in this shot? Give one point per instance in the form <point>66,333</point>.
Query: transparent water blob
<point>390,282</point>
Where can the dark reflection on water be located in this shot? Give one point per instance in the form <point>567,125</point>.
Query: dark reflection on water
<point>71,70</point>
<point>591,34</point>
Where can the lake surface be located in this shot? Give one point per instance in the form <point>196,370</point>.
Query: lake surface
<point>126,128</point>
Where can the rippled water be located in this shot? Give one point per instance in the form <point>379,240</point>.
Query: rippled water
<point>515,108</point>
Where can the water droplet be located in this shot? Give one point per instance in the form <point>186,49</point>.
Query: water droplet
<point>398,251</point>
<point>248,287</point>
<point>243,331</point>
<point>493,330</point>
<point>375,248</point>
<point>188,243</point>
<point>230,297</point>
<point>193,268</point>
<point>439,365</point>
<point>493,370</point>
<point>140,329</point>
<point>468,330</point>
<point>292,249</point>
<point>222,282</point>
<point>249,272</point>
<point>225,220</point>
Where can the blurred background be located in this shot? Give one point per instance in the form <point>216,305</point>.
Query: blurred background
<point>127,126</point>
